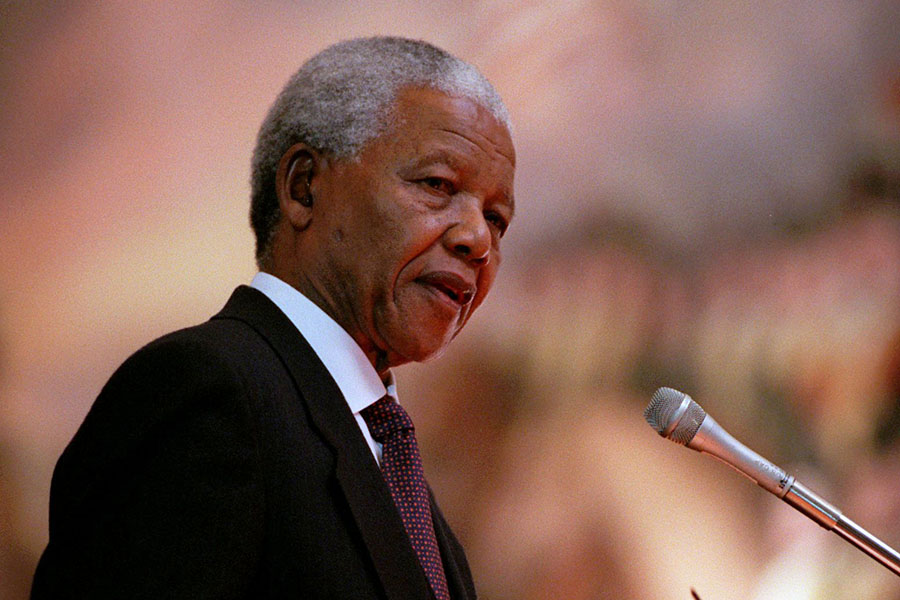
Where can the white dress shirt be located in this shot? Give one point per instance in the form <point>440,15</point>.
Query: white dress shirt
<point>346,362</point>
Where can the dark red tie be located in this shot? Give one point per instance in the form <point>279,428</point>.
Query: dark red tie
<point>402,468</point>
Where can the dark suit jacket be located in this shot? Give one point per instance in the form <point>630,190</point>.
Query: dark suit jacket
<point>221,461</point>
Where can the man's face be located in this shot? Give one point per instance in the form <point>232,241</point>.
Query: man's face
<point>409,232</point>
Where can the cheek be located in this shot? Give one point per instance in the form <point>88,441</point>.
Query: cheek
<point>413,241</point>
<point>485,282</point>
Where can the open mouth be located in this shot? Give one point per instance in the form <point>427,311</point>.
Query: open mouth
<point>450,285</point>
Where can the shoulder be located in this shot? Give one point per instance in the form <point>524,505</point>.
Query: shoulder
<point>197,356</point>
<point>220,349</point>
<point>228,363</point>
<point>183,390</point>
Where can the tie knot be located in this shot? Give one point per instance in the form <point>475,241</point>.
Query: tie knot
<point>386,417</point>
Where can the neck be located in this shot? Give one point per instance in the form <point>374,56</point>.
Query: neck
<point>379,358</point>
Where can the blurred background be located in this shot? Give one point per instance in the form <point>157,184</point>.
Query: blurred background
<point>708,199</point>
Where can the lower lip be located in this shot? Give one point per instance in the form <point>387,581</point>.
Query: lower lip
<point>443,298</point>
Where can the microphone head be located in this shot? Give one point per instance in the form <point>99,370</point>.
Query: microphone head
<point>674,415</point>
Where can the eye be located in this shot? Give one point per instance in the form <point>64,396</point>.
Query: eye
<point>497,221</point>
<point>439,184</point>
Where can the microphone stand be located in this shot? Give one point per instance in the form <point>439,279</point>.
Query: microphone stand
<point>829,517</point>
<point>677,417</point>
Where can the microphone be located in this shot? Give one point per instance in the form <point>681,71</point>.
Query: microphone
<point>675,415</point>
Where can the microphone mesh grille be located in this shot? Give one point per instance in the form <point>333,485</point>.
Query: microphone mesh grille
<point>661,410</point>
<point>663,404</point>
<point>688,425</point>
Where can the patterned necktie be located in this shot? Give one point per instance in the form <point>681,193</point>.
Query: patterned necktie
<point>401,466</point>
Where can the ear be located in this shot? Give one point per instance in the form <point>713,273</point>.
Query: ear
<point>292,184</point>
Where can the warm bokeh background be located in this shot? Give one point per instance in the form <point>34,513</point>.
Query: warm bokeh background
<point>709,198</point>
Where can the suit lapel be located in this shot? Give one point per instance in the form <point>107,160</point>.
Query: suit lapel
<point>356,471</point>
<point>456,568</point>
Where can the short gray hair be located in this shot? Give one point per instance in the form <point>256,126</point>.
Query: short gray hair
<point>342,98</point>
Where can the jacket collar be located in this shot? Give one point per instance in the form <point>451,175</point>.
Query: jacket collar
<point>356,470</point>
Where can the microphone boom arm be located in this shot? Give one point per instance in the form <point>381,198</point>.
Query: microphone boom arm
<point>677,417</point>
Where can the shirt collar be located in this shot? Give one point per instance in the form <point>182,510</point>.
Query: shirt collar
<point>346,362</point>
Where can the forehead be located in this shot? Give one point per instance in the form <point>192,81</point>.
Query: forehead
<point>430,119</point>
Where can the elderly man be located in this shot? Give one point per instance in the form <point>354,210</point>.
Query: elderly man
<point>263,454</point>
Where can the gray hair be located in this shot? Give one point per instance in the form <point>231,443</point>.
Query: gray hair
<point>342,98</point>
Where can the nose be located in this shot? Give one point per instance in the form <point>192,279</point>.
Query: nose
<point>470,237</point>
